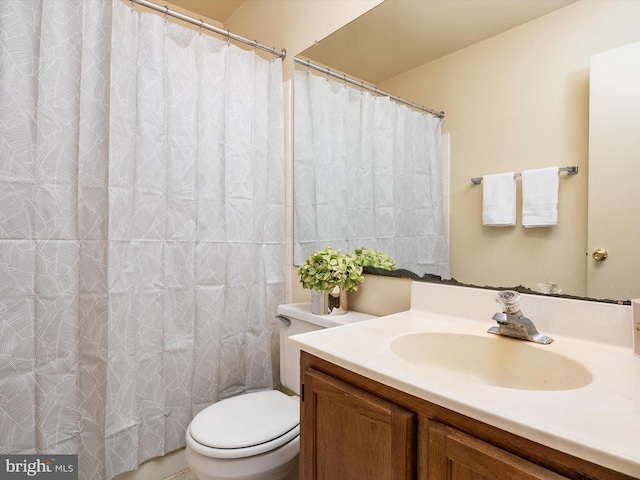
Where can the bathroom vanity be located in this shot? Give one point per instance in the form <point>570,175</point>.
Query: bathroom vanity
<point>376,405</point>
<point>356,428</point>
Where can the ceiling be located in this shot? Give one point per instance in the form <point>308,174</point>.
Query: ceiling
<point>410,33</point>
<point>219,10</point>
<point>405,33</point>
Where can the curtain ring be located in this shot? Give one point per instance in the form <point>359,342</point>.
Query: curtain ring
<point>228,38</point>
<point>344,77</point>
<point>200,27</point>
<point>166,11</point>
<point>131,5</point>
<point>328,73</point>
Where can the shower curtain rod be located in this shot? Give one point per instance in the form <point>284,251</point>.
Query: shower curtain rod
<point>201,24</point>
<point>363,85</point>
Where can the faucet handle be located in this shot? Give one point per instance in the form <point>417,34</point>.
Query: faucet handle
<point>509,300</point>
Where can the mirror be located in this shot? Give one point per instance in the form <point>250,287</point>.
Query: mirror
<point>513,80</point>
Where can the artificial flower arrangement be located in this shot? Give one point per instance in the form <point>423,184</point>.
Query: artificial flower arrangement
<point>327,269</point>
<point>368,257</point>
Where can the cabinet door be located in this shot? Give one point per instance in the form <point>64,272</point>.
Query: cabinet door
<point>453,455</point>
<point>350,434</point>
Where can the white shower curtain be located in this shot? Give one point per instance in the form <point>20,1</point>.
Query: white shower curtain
<point>141,229</point>
<point>368,173</point>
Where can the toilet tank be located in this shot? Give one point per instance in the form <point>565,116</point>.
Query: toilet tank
<point>295,318</point>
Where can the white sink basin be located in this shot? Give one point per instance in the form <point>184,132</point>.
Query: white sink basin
<point>492,360</point>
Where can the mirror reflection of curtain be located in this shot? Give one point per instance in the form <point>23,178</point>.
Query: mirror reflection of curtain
<point>368,172</point>
<point>142,229</point>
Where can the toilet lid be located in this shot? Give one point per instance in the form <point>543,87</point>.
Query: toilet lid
<point>246,420</point>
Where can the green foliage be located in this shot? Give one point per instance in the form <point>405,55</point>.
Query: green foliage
<point>368,257</point>
<point>329,268</point>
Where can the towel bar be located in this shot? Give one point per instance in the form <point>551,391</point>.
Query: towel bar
<point>570,170</point>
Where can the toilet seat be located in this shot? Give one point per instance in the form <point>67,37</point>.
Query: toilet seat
<point>245,425</point>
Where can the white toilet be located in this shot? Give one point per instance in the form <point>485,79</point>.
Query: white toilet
<point>256,436</point>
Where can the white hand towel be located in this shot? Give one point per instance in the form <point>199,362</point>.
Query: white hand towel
<point>540,197</point>
<point>499,200</point>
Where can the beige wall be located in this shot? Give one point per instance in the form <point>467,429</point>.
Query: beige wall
<point>513,102</point>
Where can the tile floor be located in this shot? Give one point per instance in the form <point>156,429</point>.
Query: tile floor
<point>185,474</point>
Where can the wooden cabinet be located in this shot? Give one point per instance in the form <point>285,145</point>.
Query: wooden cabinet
<point>354,428</point>
<point>454,455</point>
<point>352,434</point>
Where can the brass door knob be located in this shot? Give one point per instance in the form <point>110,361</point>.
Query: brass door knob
<point>600,254</point>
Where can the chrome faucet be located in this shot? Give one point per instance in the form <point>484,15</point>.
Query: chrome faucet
<point>512,322</point>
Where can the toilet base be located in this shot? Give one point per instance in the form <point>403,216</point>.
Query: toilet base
<point>278,464</point>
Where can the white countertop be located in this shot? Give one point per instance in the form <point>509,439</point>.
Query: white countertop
<point>599,422</point>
